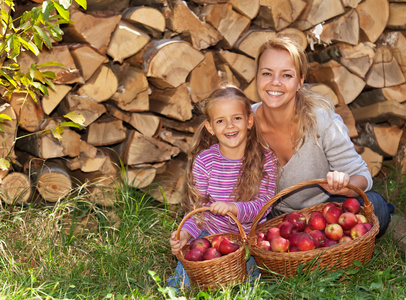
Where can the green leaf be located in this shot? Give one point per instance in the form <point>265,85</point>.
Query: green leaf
<point>55,31</point>
<point>44,37</point>
<point>47,7</point>
<point>51,64</point>
<point>13,43</point>
<point>82,3</point>
<point>75,117</point>
<point>49,74</point>
<point>29,45</point>
<point>62,11</point>
<point>6,117</point>
<point>41,87</point>
<point>71,124</point>
<point>13,82</point>
<point>56,134</point>
<point>50,83</point>
<point>4,164</point>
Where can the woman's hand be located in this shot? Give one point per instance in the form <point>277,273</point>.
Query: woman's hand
<point>176,245</point>
<point>336,183</point>
<point>222,208</point>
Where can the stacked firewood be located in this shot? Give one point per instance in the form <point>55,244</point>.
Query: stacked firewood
<point>136,70</point>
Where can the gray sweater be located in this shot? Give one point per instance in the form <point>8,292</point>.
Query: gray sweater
<point>334,152</point>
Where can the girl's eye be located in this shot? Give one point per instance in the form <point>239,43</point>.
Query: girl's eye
<point>219,121</point>
<point>238,118</point>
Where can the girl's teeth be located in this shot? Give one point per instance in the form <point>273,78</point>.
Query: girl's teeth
<point>275,93</point>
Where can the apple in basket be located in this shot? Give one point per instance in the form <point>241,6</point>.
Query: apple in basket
<point>333,231</point>
<point>368,225</point>
<point>298,219</point>
<point>294,238</point>
<point>317,222</point>
<point>215,242</point>
<point>200,243</point>
<point>358,231</point>
<point>351,205</point>
<point>194,255</point>
<point>306,242</point>
<point>361,218</point>
<point>279,244</point>
<point>211,253</point>
<point>273,231</point>
<point>328,243</point>
<point>287,229</point>
<point>260,237</point>
<point>266,245</point>
<point>318,236</point>
<point>227,246</point>
<point>333,214</point>
<point>345,238</point>
<point>347,220</point>
<point>327,207</point>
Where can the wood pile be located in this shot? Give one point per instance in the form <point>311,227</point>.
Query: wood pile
<point>136,70</point>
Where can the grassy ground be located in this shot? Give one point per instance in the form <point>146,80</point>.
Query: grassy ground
<point>76,250</point>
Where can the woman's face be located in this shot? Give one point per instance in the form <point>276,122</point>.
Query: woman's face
<point>277,79</point>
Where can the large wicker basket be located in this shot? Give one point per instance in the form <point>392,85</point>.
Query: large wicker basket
<point>226,270</point>
<point>340,256</point>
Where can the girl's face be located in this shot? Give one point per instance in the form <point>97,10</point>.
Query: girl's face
<point>230,123</point>
<point>277,79</point>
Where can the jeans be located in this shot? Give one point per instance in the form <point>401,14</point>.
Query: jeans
<point>180,279</point>
<point>382,209</point>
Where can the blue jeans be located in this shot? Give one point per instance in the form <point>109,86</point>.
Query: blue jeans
<point>181,279</point>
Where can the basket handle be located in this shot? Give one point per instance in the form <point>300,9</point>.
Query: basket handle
<point>368,206</point>
<point>202,209</point>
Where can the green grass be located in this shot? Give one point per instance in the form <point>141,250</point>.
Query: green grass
<point>78,250</point>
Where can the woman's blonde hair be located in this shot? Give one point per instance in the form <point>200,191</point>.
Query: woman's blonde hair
<point>252,170</point>
<point>306,100</point>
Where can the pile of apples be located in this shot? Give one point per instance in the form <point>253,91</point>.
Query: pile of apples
<point>316,229</point>
<point>202,249</point>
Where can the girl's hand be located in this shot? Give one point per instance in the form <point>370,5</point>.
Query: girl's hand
<point>222,208</point>
<point>177,245</point>
<point>336,183</point>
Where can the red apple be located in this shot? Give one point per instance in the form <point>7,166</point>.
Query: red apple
<point>286,217</point>
<point>306,242</point>
<point>345,238</point>
<point>287,229</point>
<point>361,218</point>
<point>227,246</point>
<point>317,222</point>
<point>260,237</point>
<point>333,214</point>
<point>358,230</point>
<point>200,243</point>
<point>328,243</point>
<point>333,231</point>
<point>318,236</point>
<point>347,220</point>
<point>211,253</point>
<point>266,245</point>
<point>314,213</point>
<point>194,255</point>
<point>307,229</point>
<point>294,237</point>
<point>293,249</point>
<point>368,226</point>
<point>215,242</point>
<point>351,205</point>
<point>327,207</point>
<point>298,219</point>
<point>272,232</point>
<point>279,244</point>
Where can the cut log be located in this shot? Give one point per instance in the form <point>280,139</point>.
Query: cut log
<point>161,64</point>
<point>126,41</point>
<point>227,75</point>
<point>168,185</point>
<point>204,78</point>
<point>357,59</point>
<point>139,149</point>
<point>178,139</point>
<point>147,16</point>
<point>9,130</point>
<point>351,3</point>
<point>242,65</point>
<point>101,86</point>
<point>173,103</point>
<point>66,74</point>
<point>345,85</point>
<point>87,161</point>
<point>248,8</point>
<point>105,132</point>
<point>250,42</point>
<point>278,14</point>
<point>318,11</point>
<point>397,19</point>
<point>348,119</point>
<point>46,146</point>
<point>112,5</point>
<point>251,91</point>
<point>87,58</point>
<point>16,188</point>
<point>82,105</point>
<point>140,178</point>
<point>385,70</point>
<point>92,29</point>
<point>324,90</point>
<point>395,93</point>
<point>373,17</point>
<point>29,112</point>
<point>396,42</point>
<point>379,112</point>
<point>296,35</point>
<point>343,29</point>
<point>188,126</point>
<point>227,21</point>
<point>51,179</point>
<point>387,138</point>
<point>132,92</point>
<point>183,20</point>
<point>373,160</point>
<point>50,102</point>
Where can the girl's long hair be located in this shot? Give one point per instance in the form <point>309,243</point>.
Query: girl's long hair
<point>252,170</point>
<point>306,100</point>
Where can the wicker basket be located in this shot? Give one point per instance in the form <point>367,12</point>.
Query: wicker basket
<point>340,256</point>
<point>221,271</point>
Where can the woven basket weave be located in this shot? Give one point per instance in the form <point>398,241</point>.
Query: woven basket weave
<point>340,256</point>
<point>226,270</point>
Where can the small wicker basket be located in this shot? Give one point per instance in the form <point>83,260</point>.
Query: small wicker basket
<point>340,256</point>
<point>226,270</point>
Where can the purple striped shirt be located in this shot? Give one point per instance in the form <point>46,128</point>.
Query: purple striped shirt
<point>215,177</point>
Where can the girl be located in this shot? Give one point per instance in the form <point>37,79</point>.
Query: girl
<point>310,140</point>
<point>229,169</point>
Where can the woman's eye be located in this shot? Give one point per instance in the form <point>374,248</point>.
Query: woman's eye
<point>288,75</point>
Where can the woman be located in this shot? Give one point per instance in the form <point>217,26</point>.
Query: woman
<point>309,139</point>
